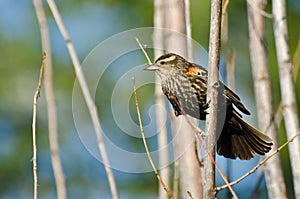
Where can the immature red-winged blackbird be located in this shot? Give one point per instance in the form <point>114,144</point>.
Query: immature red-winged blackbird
<point>185,85</point>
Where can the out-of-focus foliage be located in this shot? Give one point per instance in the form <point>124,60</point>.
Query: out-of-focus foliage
<point>90,22</point>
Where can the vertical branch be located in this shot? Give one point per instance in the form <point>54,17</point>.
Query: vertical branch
<point>189,172</point>
<point>262,85</point>
<point>87,96</point>
<point>34,162</point>
<point>51,106</point>
<point>161,118</point>
<point>212,96</point>
<point>287,87</point>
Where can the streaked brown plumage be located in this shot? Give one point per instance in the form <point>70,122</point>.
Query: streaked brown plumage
<point>185,85</point>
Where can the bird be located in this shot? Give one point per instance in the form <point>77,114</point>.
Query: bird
<point>185,85</point>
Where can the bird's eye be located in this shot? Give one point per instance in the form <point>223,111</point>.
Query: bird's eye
<point>162,62</point>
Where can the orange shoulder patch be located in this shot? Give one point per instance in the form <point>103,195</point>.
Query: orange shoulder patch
<point>194,70</point>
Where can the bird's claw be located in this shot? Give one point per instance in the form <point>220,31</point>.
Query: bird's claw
<point>206,105</point>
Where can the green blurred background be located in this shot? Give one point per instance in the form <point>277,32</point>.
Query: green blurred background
<point>90,22</point>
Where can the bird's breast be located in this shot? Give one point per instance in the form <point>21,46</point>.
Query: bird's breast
<point>191,95</point>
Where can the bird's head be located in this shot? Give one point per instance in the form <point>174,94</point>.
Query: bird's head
<point>167,63</point>
<point>173,64</point>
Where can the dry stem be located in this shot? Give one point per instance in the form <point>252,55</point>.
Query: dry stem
<point>212,97</point>
<point>35,99</point>
<point>287,87</point>
<point>145,142</point>
<point>142,48</point>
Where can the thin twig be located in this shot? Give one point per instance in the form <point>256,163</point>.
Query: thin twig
<point>160,118</point>
<point>34,157</point>
<point>142,48</point>
<point>87,96</point>
<point>145,142</point>
<point>260,163</point>
<point>50,99</point>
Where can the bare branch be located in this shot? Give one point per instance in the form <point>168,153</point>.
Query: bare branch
<point>141,47</point>
<point>87,96</point>
<point>51,106</point>
<point>263,94</point>
<point>145,142</point>
<point>212,97</point>
<point>260,163</point>
<point>287,87</point>
<point>34,157</point>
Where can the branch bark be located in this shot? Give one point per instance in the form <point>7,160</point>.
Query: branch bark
<point>287,87</point>
<point>260,71</point>
<point>212,96</point>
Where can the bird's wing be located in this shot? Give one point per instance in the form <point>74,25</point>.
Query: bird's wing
<point>233,98</point>
<point>198,70</point>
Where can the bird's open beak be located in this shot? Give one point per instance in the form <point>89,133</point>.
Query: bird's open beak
<point>152,68</point>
